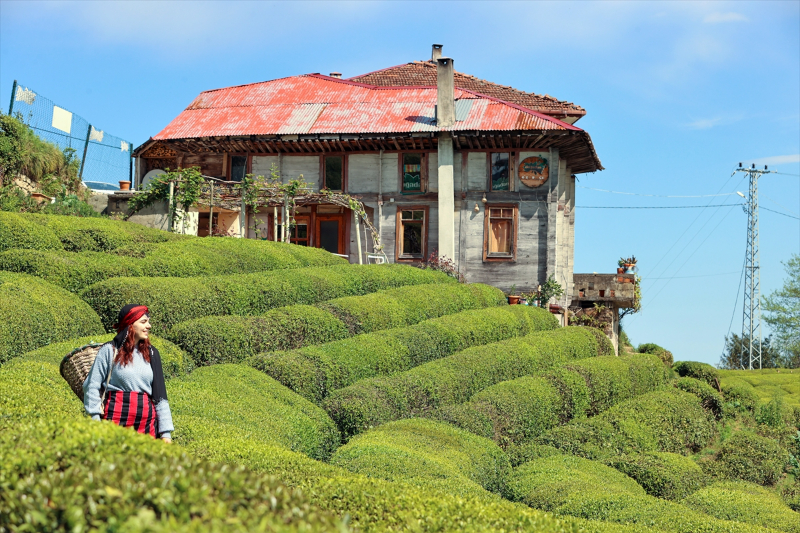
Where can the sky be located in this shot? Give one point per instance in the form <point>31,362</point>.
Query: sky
<point>677,95</point>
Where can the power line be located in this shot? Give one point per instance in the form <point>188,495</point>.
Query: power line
<point>779,213</point>
<point>658,195</point>
<point>780,205</point>
<point>653,207</point>
<point>736,301</point>
<point>699,276</point>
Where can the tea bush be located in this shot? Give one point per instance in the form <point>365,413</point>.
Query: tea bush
<point>514,411</point>
<point>654,349</point>
<point>744,502</point>
<point>233,338</point>
<point>17,231</point>
<point>667,420</point>
<point>712,400</point>
<point>750,457</point>
<point>34,313</point>
<point>454,379</point>
<point>662,474</point>
<point>570,486</point>
<point>426,453</point>
<point>244,400</point>
<point>316,371</point>
<point>701,371</point>
<point>740,397</point>
<point>175,300</point>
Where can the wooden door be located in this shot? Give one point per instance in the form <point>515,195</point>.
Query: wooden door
<point>329,233</point>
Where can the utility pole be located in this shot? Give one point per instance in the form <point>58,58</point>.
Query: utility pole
<point>751,316</point>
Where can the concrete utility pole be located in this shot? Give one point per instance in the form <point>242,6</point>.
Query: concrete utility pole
<point>751,316</point>
<point>445,119</point>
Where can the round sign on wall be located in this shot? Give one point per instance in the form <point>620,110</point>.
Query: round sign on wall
<point>533,171</point>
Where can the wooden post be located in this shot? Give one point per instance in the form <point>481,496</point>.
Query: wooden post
<point>275,224</point>
<point>358,237</point>
<point>169,206</point>
<point>211,212</point>
<point>285,220</point>
<point>243,217</point>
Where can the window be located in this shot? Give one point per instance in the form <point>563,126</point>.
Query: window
<point>412,172</point>
<point>238,167</point>
<point>411,232</point>
<point>500,232</point>
<point>500,170</point>
<point>334,173</point>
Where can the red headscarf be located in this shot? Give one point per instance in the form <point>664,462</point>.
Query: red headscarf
<point>131,316</point>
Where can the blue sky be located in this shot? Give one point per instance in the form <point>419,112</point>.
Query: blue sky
<point>677,94</point>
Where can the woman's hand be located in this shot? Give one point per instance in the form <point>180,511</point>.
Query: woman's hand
<point>167,440</point>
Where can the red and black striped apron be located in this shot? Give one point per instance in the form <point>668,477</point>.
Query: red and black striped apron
<point>131,409</point>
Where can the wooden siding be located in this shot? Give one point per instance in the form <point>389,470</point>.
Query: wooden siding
<point>210,164</point>
<point>261,165</point>
<point>295,165</point>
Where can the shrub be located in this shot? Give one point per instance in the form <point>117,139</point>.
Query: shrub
<point>701,371</point>
<point>712,400</point>
<point>775,414</point>
<point>239,399</point>
<point>66,476</point>
<point>662,474</point>
<point>750,457</point>
<point>316,371</point>
<point>233,339</point>
<point>454,379</point>
<point>519,454</point>
<point>654,349</point>
<point>668,420</point>
<point>740,396</point>
<point>426,453</point>
<point>174,300</point>
<point>17,231</point>
<point>34,313</point>
<point>744,502</point>
<point>514,411</point>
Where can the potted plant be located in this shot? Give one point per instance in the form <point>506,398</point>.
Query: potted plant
<point>124,185</point>
<point>628,263</point>
<point>513,297</point>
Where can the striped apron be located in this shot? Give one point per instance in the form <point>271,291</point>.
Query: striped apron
<point>131,409</point>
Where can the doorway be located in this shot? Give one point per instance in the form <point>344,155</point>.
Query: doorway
<point>330,232</point>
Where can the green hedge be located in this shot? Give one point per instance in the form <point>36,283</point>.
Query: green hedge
<point>744,502</point>
<point>668,420</point>
<point>665,475</point>
<point>81,475</point>
<point>454,379</point>
<point>34,313</point>
<point>174,300</point>
<point>712,400</point>
<point>232,339</point>
<point>428,453</point>
<point>199,257</point>
<point>740,396</point>
<point>244,400</point>
<point>515,411</point>
<point>316,371</point>
<point>749,457</point>
<point>701,371</point>
<point>18,231</point>
<point>571,486</point>
<point>654,349</point>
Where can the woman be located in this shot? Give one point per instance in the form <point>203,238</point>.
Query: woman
<point>136,394</point>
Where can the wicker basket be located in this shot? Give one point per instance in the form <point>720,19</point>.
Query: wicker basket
<point>76,365</point>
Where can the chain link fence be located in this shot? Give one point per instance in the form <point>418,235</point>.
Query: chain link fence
<point>104,158</point>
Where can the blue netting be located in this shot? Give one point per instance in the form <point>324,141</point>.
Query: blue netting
<point>108,158</point>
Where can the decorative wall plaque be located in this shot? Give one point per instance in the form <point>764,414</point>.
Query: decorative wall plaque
<point>533,171</point>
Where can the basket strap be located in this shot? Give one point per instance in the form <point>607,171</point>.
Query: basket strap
<point>108,377</point>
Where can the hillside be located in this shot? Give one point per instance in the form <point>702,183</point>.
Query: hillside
<point>313,395</point>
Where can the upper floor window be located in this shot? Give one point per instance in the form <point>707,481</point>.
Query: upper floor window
<point>412,172</point>
<point>333,178</point>
<point>238,167</point>
<point>500,168</point>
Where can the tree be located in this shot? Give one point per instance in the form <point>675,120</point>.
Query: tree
<point>11,147</point>
<point>736,354</point>
<point>782,313</point>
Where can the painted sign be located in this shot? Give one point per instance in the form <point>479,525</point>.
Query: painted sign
<point>534,171</point>
<point>412,178</point>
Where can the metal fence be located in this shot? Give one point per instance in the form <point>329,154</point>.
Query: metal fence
<point>104,158</point>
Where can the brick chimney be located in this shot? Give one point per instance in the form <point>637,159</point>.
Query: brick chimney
<point>336,75</point>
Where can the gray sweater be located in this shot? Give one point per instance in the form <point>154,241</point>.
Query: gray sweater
<point>134,377</point>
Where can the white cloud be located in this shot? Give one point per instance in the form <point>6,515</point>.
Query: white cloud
<point>776,160</point>
<point>717,17</point>
<point>708,123</point>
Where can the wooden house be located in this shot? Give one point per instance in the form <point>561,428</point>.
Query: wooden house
<point>478,172</point>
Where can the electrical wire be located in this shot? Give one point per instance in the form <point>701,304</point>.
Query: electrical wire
<point>658,195</point>
<point>778,213</point>
<point>785,174</point>
<point>654,207</point>
<point>700,276</point>
<point>776,203</point>
<point>735,303</point>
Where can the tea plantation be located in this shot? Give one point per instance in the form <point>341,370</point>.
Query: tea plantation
<point>313,395</point>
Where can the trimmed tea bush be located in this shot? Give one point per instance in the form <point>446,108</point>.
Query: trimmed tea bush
<point>315,371</point>
<point>34,313</point>
<point>174,300</point>
<point>454,379</point>
<point>213,340</point>
<point>744,502</point>
<point>67,476</point>
<point>240,399</point>
<point>712,400</point>
<point>570,486</point>
<point>662,474</point>
<point>750,457</point>
<point>528,451</point>
<point>17,231</point>
<point>518,410</point>
<point>740,396</point>
<point>668,420</point>
<point>654,349</point>
<point>701,371</point>
<point>427,453</point>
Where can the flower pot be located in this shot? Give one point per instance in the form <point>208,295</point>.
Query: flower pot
<point>513,300</point>
<point>629,268</point>
<point>621,270</point>
<point>124,185</point>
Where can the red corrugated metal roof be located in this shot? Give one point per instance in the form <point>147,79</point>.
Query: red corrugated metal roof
<point>314,103</point>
